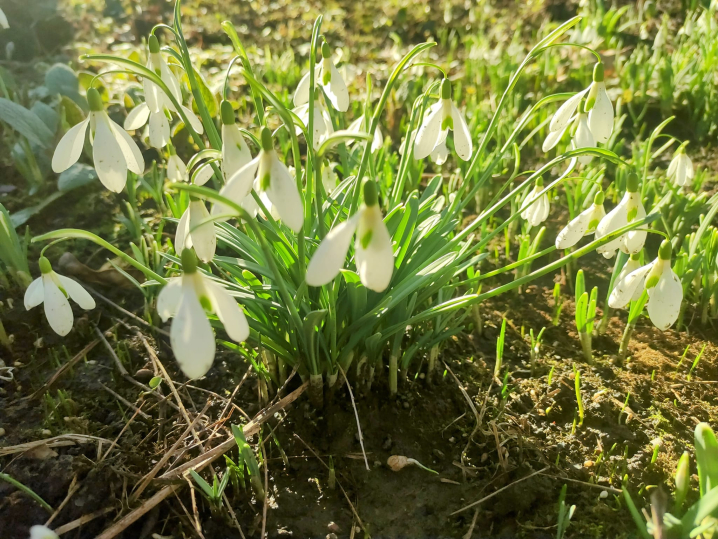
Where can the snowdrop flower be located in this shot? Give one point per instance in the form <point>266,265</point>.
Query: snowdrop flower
<point>374,256</point>
<point>537,212</point>
<point>665,292</point>
<point>190,233</point>
<point>176,168</point>
<point>583,224</point>
<point>235,152</point>
<point>185,299</point>
<point>441,117</point>
<point>327,75</point>
<point>53,290</point>
<point>157,103</point>
<point>322,122</point>
<point>680,171</point>
<point>598,106</point>
<point>357,126</point>
<point>41,532</point>
<point>113,150</point>
<point>631,265</point>
<point>329,178</point>
<point>629,209</point>
<point>268,176</point>
<point>583,137</point>
<point>3,21</point>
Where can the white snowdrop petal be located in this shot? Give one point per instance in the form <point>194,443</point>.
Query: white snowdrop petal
<point>182,239</point>
<point>168,77</point>
<point>137,117</point>
<point>301,94</point>
<point>634,240</point>
<point>625,288</point>
<point>331,254</point>
<point>176,169</point>
<point>688,165</point>
<point>34,294</point>
<point>428,134</point>
<point>229,312</point>
<point>69,149</point>
<point>462,136</point>
<point>191,335</point>
<point>282,191</point>
<point>553,139</point>
<point>679,175</point>
<point>574,231</point>
<point>133,155</point>
<point>584,139</point>
<point>153,94</point>
<point>57,308</point>
<point>615,219</point>
<point>195,122</point>
<point>664,303</point>
<point>600,117</point>
<point>169,298</point>
<point>238,186</point>
<point>235,152</point>
<point>108,157</point>
<point>672,167</point>
<point>77,294</point>
<point>441,151</point>
<point>159,130</point>
<point>375,264</point>
<point>41,532</point>
<point>5,25</point>
<point>563,115</point>
<point>203,173</point>
<point>204,239</point>
<point>337,89</point>
<point>378,141</point>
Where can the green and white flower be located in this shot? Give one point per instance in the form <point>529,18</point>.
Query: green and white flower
<point>357,126</point>
<point>235,152</point>
<point>665,292</point>
<point>186,299</point>
<point>327,75</point>
<point>438,120</point>
<point>176,168</point>
<point>680,171</point>
<point>3,21</point>
<point>194,230</point>
<point>583,224</point>
<point>629,209</point>
<point>373,252</point>
<point>267,175</point>
<point>538,210</point>
<point>322,122</point>
<point>54,290</point>
<point>113,150</point>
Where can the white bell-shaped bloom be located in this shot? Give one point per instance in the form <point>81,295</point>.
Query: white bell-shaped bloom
<point>54,290</point>
<point>583,224</point>
<point>373,251</point>
<point>438,120</point>
<point>631,265</point>
<point>322,127</point>
<point>176,168</point>
<point>680,171</point>
<point>329,177</point>
<point>583,138</point>
<point>235,152</point>
<point>3,21</point>
<point>155,98</point>
<point>537,211</point>
<point>440,153</point>
<point>665,292</point>
<point>628,209</point>
<point>42,532</point>
<point>268,175</point>
<point>327,75</point>
<point>185,299</point>
<point>159,125</point>
<point>599,121</point>
<point>195,230</point>
<point>357,126</point>
<point>113,150</point>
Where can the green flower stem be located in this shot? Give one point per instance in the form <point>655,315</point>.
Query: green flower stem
<point>27,490</point>
<point>67,233</point>
<point>229,29</point>
<point>313,179</point>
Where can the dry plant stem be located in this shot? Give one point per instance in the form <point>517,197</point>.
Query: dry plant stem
<point>125,402</point>
<point>498,491</point>
<point>74,487</point>
<point>118,363</point>
<point>473,410</point>
<point>592,485</point>
<point>393,374</point>
<point>62,370</point>
<point>84,519</point>
<point>114,442</point>
<point>63,440</point>
<point>356,415</point>
<point>473,525</point>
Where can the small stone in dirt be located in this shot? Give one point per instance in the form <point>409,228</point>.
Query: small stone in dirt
<point>388,442</point>
<point>144,375</point>
<point>331,536</point>
<point>377,464</point>
<point>18,364</point>
<point>333,527</point>
<point>2,431</point>
<point>46,432</point>
<point>603,495</point>
<point>452,440</point>
<point>588,464</point>
<point>283,532</point>
<point>422,376</point>
<point>406,405</point>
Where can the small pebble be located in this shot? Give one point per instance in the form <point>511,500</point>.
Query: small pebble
<point>46,432</point>
<point>17,364</point>
<point>333,527</point>
<point>2,431</point>
<point>603,495</point>
<point>331,536</point>
<point>422,376</point>
<point>406,405</point>
<point>588,464</point>
<point>452,440</point>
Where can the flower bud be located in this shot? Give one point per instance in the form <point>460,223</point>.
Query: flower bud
<point>189,261</point>
<point>227,112</point>
<point>94,100</point>
<point>683,479</point>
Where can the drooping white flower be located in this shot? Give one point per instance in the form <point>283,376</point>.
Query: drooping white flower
<point>329,177</point>
<point>357,126</point>
<point>113,150</point>
<point>42,532</point>
<point>267,175</point>
<point>538,210</point>
<point>327,75</point>
<point>235,152</point>
<point>583,224</point>
<point>665,292</point>
<point>628,209</point>
<point>53,290</point>
<point>440,153</point>
<point>441,117</point>
<point>193,231</point>
<point>631,265</point>
<point>583,138</point>
<point>176,168</point>
<point>3,20</point>
<point>680,171</point>
<point>159,125</point>
<point>185,299</point>
<point>598,106</point>
<point>322,127</point>
<point>373,252</point>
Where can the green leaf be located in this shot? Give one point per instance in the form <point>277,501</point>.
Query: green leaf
<point>21,217</point>
<point>206,488</point>
<point>208,97</point>
<point>47,114</point>
<point>78,175</point>
<point>706,457</point>
<point>155,382</point>
<point>25,122</point>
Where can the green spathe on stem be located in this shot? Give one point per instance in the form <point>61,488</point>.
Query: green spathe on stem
<point>45,266</point>
<point>632,183</point>
<point>154,44</point>
<point>598,74</point>
<point>599,198</point>
<point>95,100</point>
<point>189,261</point>
<point>267,143</point>
<point>665,252</point>
<point>446,89</point>
<point>371,197</point>
<point>227,112</point>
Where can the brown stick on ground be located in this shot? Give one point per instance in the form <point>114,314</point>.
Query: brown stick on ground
<point>197,464</point>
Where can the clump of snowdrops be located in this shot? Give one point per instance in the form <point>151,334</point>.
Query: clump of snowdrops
<point>326,276</point>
